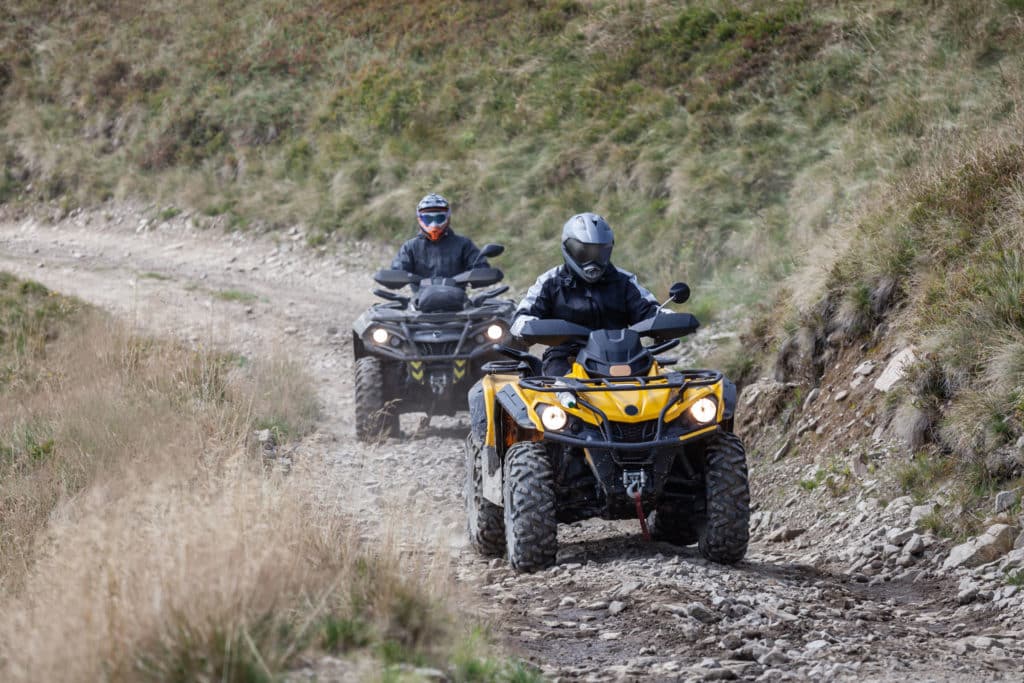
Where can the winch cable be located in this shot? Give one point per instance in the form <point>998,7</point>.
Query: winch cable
<point>635,491</point>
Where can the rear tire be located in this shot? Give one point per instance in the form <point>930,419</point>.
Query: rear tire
<point>376,415</point>
<point>726,531</point>
<point>531,524</point>
<point>485,521</point>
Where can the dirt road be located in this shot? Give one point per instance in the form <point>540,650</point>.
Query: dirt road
<point>614,608</point>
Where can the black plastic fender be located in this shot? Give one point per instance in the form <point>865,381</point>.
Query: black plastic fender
<point>515,406</point>
<point>729,397</point>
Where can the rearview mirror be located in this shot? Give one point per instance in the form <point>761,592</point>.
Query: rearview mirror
<point>491,250</point>
<point>679,292</point>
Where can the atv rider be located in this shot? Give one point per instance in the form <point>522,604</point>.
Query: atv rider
<point>587,290</point>
<point>436,251</point>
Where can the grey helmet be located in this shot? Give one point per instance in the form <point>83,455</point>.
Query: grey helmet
<point>587,242</point>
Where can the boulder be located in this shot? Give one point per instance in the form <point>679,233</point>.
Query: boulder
<point>895,370</point>
<point>1006,500</point>
<point>995,542</point>
<point>919,512</point>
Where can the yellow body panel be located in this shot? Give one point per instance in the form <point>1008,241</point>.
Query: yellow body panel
<point>648,402</point>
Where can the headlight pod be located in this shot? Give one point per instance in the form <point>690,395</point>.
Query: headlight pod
<point>495,332</point>
<point>553,417</point>
<point>382,337</point>
<point>704,410</point>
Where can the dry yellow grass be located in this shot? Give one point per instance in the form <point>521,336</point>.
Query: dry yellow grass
<point>143,537</point>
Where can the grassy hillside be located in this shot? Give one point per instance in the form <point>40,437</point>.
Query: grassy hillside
<point>728,134</point>
<point>937,264</point>
<point>140,530</point>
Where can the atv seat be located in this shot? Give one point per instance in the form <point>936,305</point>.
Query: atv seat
<point>441,298</point>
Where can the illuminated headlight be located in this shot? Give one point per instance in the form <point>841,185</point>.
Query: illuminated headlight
<point>553,418</point>
<point>495,332</point>
<point>380,335</point>
<point>704,410</point>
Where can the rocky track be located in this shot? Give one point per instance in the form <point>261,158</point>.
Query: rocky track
<point>837,603</point>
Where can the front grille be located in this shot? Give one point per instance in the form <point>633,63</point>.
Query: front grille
<point>438,348</point>
<point>636,432</point>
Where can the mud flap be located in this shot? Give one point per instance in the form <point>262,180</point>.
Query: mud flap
<point>491,476</point>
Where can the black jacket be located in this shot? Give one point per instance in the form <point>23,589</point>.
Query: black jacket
<point>615,301</point>
<point>448,256</point>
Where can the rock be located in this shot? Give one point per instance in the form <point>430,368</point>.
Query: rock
<point>610,635</point>
<point>915,545</point>
<point>804,427</point>
<point>858,467</point>
<point>900,536</point>
<point>782,451</point>
<point>701,613</point>
<point>996,541</point>
<point>911,425</point>
<point>567,601</point>
<point>919,512</point>
<point>783,533</point>
<point>626,588</point>
<point>901,503</point>
<point>816,645</point>
<point>811,397</point>
<point>1006,500</point>
<point>1019,543</point>
<point>865,368</point>
<point>291,329</point>
<point>1012,560</point>
<point>775,657</point>
<point>841,396</point>
<point>731,641</point>
<point>895,370</point>
<point>616,607</point>
<point>967,595</point>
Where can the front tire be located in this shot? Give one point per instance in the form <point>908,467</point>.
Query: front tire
<point>531,525</point>
<point>485,522</point>
<point>675,523</point>
<point>726,531</point>
<point>376,415</point>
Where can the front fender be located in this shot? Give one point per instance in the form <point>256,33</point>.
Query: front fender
<point>729,399</point>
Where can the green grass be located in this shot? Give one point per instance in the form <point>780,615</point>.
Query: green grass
<point>715,135</point>
<point>236,295</point>
<point>151,275</point>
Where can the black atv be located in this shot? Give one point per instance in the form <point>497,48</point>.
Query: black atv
<point>619,435</point>
<point>423,352</point>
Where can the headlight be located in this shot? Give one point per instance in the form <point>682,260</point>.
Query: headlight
<point>553,418</point>
<point>495,332</point>
<point>704,410</point>
<point>380,335</point>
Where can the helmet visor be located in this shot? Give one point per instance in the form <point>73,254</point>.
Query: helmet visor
<point>429,218</point>
<point>583,252</point>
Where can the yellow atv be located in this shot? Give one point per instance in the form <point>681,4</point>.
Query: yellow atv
<point>619,434</point>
